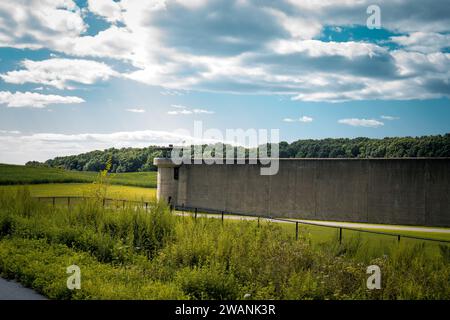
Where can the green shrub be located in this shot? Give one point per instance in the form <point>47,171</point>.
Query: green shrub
<point>211,282</point>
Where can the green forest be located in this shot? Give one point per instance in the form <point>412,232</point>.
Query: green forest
<point>141,159</point>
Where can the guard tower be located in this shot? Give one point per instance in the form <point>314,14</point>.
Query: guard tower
<point>168,176</point>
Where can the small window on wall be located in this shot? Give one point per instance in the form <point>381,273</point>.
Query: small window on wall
<point>176,173</point>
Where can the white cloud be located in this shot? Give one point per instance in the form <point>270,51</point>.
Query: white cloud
<point>108,9</point>
<point>43,146</point>
<point>192,4</point>
<point>317,48</point>
<point>298,28</point>
<point>418,64</point>
<point>408,88</point>
<point>202,111</point>
<point>115,42</point>
<point>178,106</point>
<point>278,53</point>
<point>389,118</point>
<point>59,73</point>
<point>34,100</point>
<point>174,113</point>
<point>370,123</point>
<point>303,119</point>
<point>426,42</point>
<point>136,110</point>
<point>183,110</point>
<point>39,23</point>
<point>171,93</point>
<point>10,132</point>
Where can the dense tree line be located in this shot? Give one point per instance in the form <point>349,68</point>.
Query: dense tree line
<point>135,159</point>
<point>122,160</point>
<point>426,146</point>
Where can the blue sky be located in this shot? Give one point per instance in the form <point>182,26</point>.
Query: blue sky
<point>77,76</point>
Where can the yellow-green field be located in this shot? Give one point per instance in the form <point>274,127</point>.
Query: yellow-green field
<point>15,174</point>
<point>86,189</point>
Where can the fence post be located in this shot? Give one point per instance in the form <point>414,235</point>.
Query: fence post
<point>340,235</point>
<point>398,238</point>
<point>195,214</point>
<point>296,231</point>
<point>258,221</point>
<point>146,206</point>
<point>222,217</point>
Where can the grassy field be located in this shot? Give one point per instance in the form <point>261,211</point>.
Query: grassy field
<point>157,255</point>
<point>14,174</point>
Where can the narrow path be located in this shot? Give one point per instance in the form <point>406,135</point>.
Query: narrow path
<point>11,290</point>
<point>379,226</point>
<point>335,223</point>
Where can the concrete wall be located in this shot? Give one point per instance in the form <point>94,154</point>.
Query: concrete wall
<point>391,191</point>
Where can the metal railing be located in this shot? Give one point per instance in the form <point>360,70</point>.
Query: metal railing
<point>105,201</point>
<point>197,211</point>
<point>297,223</point>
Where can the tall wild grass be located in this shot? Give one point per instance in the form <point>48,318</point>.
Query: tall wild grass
<point>156,254</point>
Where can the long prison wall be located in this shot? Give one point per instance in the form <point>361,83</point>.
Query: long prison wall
<point>385,191</point>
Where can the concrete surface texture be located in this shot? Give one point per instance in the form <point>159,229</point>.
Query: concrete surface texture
<point>384,191</point>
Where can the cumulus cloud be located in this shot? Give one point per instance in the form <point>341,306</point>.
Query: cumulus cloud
<point>369,123</point>
<point>59,73</point>
<point>34,100</point>
<point>37,24</point>
<point>115,42</point>
<point>301,119</point>
<point>416,64</point>
<point>258,47</point>
<point>108,9</point>
<point>426,42</point>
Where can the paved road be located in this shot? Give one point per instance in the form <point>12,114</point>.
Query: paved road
<point>11,290</point>
<point>338,224</point>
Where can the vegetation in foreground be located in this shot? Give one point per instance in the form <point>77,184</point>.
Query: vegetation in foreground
<point>134,254</point>
<point>14,174</point>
